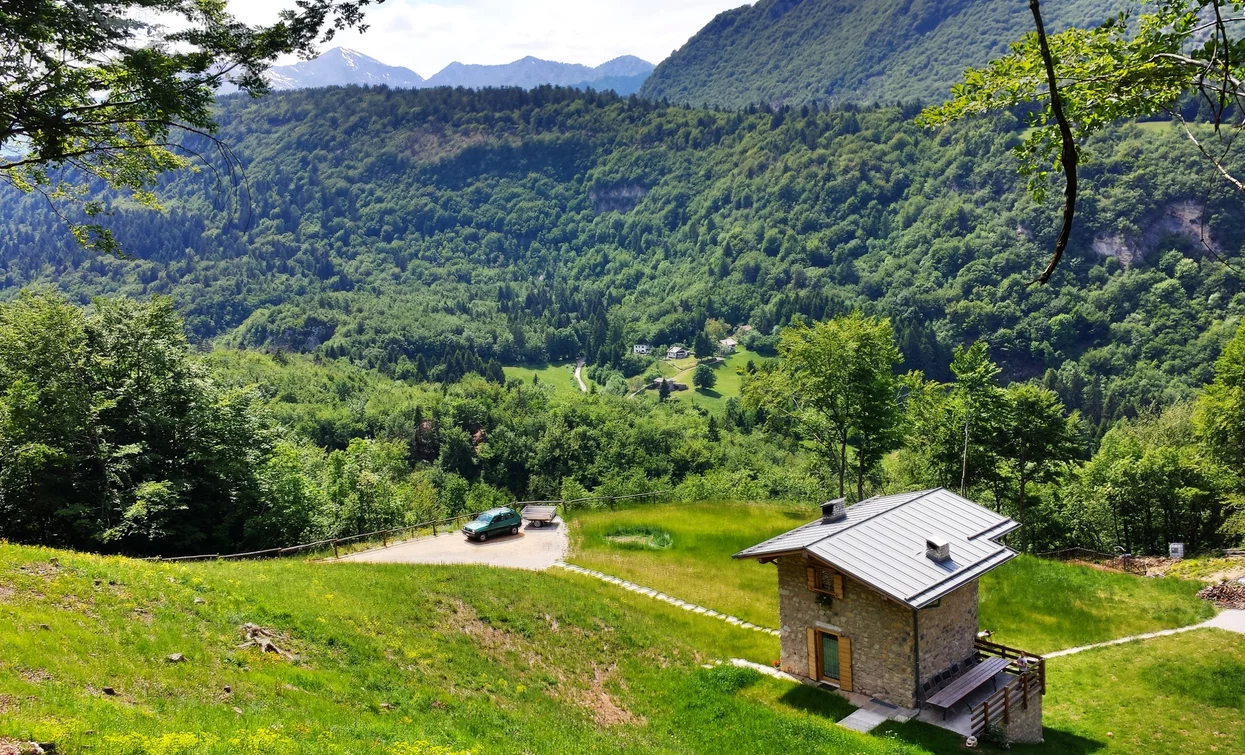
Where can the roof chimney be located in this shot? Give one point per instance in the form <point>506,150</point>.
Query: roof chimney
<point>833,511</point>
<point>937,549</point>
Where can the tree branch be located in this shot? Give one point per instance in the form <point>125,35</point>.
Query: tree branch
<point>1069,155</point>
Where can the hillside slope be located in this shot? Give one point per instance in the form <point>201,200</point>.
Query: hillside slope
<point>388,659</point>
<point>528,227</point>
<point>814,51</point>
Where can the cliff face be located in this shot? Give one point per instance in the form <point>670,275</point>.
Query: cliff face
<point>1181,222</point>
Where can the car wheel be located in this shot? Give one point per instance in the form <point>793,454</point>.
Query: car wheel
<point>514,530</point>
<point>483,536</point>
<point>539,523</point>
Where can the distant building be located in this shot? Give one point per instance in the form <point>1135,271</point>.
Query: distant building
<point>674,386</point>
<point>745,329</point>
<point>727,345</point>
<point>676,352</point>
<point>641,348</point>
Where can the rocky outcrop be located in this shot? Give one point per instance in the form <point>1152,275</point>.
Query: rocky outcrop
<point>618,199</point>
<point>1182,220</point>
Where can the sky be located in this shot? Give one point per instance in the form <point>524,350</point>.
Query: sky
<point>426,36</point>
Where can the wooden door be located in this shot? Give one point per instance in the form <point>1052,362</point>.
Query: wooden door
<point>830,658</point>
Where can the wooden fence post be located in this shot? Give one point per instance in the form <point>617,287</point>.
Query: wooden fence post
<point>335,548</point>
<point>1007,706</point>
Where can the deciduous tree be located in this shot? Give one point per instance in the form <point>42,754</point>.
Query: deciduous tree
<point>836,383</point>
<point>107,89</point>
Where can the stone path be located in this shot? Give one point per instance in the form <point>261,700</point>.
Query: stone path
<point>763,669</point>
<point>1229,619</point>
<point>650,592</point>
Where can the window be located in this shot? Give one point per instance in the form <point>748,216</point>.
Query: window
<point>825,581</point>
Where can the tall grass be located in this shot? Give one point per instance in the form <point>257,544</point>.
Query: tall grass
<point>405,660</point>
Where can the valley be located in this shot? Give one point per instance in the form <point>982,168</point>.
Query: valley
<point>857,377</point>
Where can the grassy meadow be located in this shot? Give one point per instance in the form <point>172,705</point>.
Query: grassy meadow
<point>428,660</point>
<point>728,385</point>
<point>1178,694</point>
<point>410,660</point>
<point>560,377</point>
<point>1170,695</point>
<point>1029,603</point>
<point>697,566</point>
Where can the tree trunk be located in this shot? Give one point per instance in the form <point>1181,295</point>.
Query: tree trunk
<point>860,475</point>
<point>1020,512</point>
<point>842,465</point>
<point>964,463</point>
<point>1020,504</point>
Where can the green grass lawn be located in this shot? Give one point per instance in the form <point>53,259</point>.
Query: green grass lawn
<point>1043,606</point>
<point>1166,696</point>
<point>1029,603</point>
<point>389,659</point>
<point>697,566</point>
<point>561,377</point>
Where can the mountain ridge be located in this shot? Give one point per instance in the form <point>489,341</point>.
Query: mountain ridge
<point>800,52</point>
<point>342,66</point>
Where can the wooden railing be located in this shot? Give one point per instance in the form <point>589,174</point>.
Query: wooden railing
<point>1034,664</point>
<point>335,543</point>
<point>1029,680</point>
<point>997,708</point>
<point>385,536</point>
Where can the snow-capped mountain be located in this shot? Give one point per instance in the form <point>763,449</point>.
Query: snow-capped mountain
<point>339,67</point>
<point>626,72</point>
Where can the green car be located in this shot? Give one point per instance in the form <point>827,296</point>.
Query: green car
<point>493,522</point>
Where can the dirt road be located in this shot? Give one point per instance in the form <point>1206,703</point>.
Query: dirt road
<point>535,548</point>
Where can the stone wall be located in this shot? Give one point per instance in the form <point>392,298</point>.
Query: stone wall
<point>948,631</point>
<point>1025,724</point>
<point>880,631</point>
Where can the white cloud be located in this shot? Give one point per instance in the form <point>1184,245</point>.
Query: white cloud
<point>426,36</point>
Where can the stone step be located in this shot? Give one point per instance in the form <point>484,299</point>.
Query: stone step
<point>863,721</point>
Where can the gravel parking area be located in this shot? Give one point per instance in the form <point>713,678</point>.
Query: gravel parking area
<point>535,548</point>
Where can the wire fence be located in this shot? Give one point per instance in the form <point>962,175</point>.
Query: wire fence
<point>395,534</point>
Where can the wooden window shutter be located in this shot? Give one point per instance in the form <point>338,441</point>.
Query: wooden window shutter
<point>838,586</point>
<point>813,671</point>
<point>845,664</point>
<point>811,573</point>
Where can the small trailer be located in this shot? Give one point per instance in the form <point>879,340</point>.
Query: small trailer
<point>539,515</point>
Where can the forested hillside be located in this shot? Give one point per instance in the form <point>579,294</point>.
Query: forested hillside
<point>413,231</point>
<point>799,52</point>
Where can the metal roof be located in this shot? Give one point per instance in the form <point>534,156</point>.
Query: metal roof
<point>881,542</point>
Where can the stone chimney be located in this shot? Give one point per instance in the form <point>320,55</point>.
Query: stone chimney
<point>833,511</point>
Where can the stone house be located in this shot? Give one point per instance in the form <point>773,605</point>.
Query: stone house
<point>641,349</point>
<point>880,599</point>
